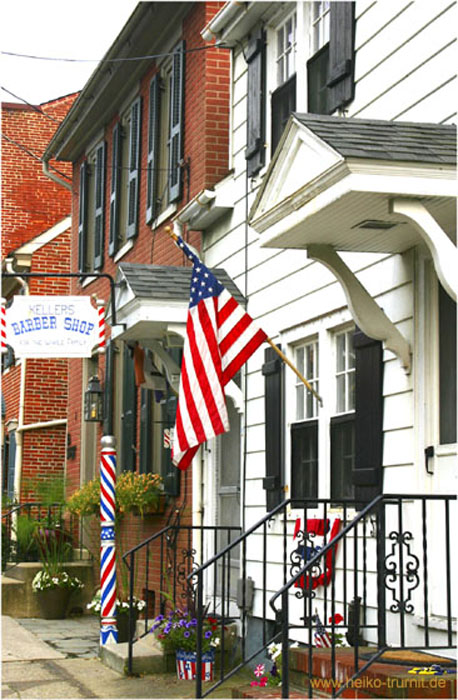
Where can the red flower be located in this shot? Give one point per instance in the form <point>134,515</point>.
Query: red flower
<point>337,619</point>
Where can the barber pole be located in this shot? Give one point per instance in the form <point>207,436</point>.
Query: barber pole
<point>101,313</point>
<point>108,628</point>
<point>3,325</point>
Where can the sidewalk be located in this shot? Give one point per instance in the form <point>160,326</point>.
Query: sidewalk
<point>58,659</point>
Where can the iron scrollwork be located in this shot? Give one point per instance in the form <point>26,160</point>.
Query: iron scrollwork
<point>401,583</point>
<point>305,550</point>
<point>187,565</point>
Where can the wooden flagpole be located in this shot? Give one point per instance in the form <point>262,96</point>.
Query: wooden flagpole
<point>272,344</point>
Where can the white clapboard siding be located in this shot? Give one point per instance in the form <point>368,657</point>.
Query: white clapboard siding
<point>402,92</point>
<point>404,32</point>
<point>438,106</point>
<point>397,412</point>
<point>398,447</point>
<point>375,17</point>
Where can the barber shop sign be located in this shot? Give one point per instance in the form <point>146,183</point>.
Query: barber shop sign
<point>52,326</point>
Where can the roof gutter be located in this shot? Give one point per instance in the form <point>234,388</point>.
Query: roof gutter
<point>219,21</point>
<point>55,178</point>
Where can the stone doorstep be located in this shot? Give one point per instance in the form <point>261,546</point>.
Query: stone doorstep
<point>146,658</point>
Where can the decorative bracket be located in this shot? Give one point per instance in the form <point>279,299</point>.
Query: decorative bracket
<point>442,249</point>
<point>364,309</point>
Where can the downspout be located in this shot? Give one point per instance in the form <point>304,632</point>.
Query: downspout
<point>20,426</point>
<point>52,176</point>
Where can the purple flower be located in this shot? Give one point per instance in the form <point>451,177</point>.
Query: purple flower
<point>182,623</point>
<point>194,621</point>
<point>208,634</point>
<point>186,634</point>
<point>167,628</point>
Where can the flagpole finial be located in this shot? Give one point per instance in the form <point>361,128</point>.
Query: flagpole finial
<point>171,233</point>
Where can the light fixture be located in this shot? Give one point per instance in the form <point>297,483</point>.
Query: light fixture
<point>93,401</point>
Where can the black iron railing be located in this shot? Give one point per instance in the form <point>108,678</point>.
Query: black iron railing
<point>386,570</point>
<point>164,563</point>
<point>18,524</point>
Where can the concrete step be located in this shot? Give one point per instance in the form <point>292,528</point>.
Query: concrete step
<point>18,579</point>
<point>147,657</point>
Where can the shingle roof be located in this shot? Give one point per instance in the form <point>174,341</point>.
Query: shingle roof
<point>168,282</point>
<point>385,140</point>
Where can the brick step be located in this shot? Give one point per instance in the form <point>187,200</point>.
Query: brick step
<point>380,680</point>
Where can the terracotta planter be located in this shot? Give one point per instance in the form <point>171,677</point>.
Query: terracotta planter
<point>186,665</point>
<point>53,602</point>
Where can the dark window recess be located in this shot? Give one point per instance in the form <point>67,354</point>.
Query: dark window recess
<point>8,359</point>
<point>134,168</point>
<point>272,370</point>
<point>304,461</point>
<point>11,463</point>
<point>341,83</point>
<point>283,103</point>
<point>176,123</point>
<point>146,434</point>
<point>368,470</point>
<point>317,78</point>
<point>115,189</point>
<point>99,204</point>
<point>82,219</point>
<point>153,148</point>
<point>447,368</point>
<point>129,414</point>
<point>342,456</point>
<point>255,57</point>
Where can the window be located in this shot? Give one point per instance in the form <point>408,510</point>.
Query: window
<point>304,431</point>
<point>343,424</point>
<point>447,368</point>
<point>318,64</point>
<point>125,178</point>
<point>91,231</point>
<point>284,97</point>
<point>165,136</point>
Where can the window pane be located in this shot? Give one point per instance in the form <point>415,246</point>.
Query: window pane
<point>300,360</point>
<point>342,458</point>
<point>351,391</point>
<point>340,352</point>
<point>300,402</point>
<point>340,408</point>
<point>310,371</point>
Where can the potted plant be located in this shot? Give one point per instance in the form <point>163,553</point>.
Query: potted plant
<point>85,501</point>
<point>53,585</point>
<point>140,494</point>
<point>177,632</point>
<point>122,614</point>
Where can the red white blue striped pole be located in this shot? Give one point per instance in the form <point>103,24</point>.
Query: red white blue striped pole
<point>101,323</point>
<point>3,325</point>
<point>108,628</point>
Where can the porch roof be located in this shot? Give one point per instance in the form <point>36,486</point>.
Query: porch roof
<point>152,300</point>
<point>336,181</point>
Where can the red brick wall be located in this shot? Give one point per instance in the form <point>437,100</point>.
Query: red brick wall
<point>31,202</point>
<point>206,147</point>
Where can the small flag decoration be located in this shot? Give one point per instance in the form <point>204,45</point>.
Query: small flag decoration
<point>320,636</point>
<point>220,337</point>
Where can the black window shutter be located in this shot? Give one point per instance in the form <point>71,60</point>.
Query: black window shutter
<point>272,370</point>
<point>255,57</point>
<point>447,368</point>
<point>171,474</point>
<point>368,470</point>
<point>153,149</point>
<point>283,103</point>
<point>134,168</point>
<point>99,192</point>
<point>341,82</point>
<point>129,414</point>
<point>145,431</point>
<point>82,221</point>
<point>176,123</point>
<point>115,190</point>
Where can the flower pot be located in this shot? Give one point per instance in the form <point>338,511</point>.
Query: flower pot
<point>122,621</point>
<point>53,602</point>
<point>186,665</point>
<point>150,509</point>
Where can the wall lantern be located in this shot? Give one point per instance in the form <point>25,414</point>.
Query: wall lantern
<point>93,401</point>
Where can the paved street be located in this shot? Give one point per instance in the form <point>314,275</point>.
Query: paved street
<point>58,659</point>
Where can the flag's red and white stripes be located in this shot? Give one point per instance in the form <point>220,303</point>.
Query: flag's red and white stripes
<point>221,336</point>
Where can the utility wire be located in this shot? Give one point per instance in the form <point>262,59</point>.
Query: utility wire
<point>110,60</point>
<point>33,155</point>
<point>35,107</point>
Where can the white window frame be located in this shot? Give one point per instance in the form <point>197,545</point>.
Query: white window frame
<point>347,372</point>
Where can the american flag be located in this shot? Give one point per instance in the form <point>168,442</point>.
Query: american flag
<point>220,337</point>
<point>321,637</point>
